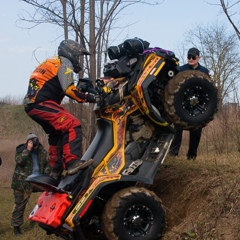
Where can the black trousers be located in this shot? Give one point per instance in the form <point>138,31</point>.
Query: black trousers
<point>194,140</point>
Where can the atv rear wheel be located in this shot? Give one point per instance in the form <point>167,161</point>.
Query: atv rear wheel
<point>191,99</point>
<point>134,214</point>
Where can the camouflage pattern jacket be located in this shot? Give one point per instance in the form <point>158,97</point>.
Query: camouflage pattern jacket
<point>24,166</point>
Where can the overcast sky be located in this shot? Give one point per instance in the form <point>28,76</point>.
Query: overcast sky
<point>163,26</point>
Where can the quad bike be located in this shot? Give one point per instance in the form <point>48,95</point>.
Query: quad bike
<point>142,96</point>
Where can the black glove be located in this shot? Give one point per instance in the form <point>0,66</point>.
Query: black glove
<point>85,85</point>
<point>100,98</point>
<point>92,98</point>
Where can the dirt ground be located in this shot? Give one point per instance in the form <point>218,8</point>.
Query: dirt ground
<point>201,201</point>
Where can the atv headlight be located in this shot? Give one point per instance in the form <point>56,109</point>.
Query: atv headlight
<point>115,52</point>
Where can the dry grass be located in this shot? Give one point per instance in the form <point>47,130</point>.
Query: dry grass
<point>202,197</point>
<point>202,200</point>
<point>14,128</point>
<point>30,230</point>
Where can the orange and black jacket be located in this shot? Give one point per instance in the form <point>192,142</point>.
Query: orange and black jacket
<point>52,80</point>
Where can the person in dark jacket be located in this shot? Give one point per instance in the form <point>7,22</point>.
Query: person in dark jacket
<point>195,135</point>
<point>51,81</point>
<point>31,158</point>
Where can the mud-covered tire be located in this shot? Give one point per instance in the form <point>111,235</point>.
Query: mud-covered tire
<point>134,214</point>
<point>191,99</point>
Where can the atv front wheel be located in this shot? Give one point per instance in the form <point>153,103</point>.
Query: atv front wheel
<point>191,99</point>
<point>134,214</point>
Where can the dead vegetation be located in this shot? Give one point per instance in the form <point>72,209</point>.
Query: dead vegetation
<point>202,201</point>
<point>201,198</point>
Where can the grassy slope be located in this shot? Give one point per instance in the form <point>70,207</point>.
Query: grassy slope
<point>14,127</point>
<point>30,230</point>
<point>201,202</point>
<point>201,198</point>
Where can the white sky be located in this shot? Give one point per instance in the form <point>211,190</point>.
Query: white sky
<point>163,26</point>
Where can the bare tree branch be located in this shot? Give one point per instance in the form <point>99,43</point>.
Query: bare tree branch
<point>219,52</point>
<point>226,7</point>
<point>88,21</point>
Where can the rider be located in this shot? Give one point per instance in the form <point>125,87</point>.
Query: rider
<point>49,83</point>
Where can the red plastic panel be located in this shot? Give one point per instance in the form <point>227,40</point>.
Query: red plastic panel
<point>50,208</point>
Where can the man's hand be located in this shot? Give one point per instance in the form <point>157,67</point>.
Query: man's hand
<point>85,85</point>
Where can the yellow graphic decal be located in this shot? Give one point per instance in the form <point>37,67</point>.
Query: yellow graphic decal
<point>114,161</point>
<point>63,119</point>
<point>68,71</point>
<point>97,182</point>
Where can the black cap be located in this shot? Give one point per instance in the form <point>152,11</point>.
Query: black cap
<point>194,52</point>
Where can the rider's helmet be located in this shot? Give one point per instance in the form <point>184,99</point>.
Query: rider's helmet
<point>72,51</point>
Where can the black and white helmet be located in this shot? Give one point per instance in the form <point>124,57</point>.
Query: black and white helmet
<point>72,51</point>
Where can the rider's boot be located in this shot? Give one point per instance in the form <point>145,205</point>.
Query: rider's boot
<point>75,165</point>
<point>55,173</point>
<point>56,170</point>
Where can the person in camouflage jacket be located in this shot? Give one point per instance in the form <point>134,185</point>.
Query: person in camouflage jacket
<point>31,158</point>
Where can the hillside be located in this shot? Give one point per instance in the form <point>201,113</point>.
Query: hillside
<point>201,198</point>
